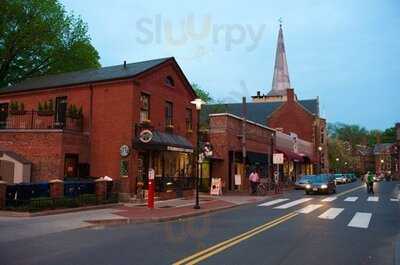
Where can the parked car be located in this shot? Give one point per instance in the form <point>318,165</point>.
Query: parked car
<point>321,184</point>
<point>301,183</point>
<point>340,179</point>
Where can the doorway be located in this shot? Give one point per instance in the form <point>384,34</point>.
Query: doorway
<point>71,165</point>
<point>61,111</point>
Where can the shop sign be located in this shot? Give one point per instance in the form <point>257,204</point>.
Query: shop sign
<point>178,149</point>
<point>216,186</point>
<point>145,136</point>
<point>124,150</point>
<point>278,158</point>
<point>151,174</point>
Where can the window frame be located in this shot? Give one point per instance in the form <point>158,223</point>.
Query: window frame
<point>189,119</point>
<point>169,119</point>
<point>142,108</point>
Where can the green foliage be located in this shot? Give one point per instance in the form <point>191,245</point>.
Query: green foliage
<point>39,37</point>
<point>46,106</point>
<point>73,111</point>
<point>203,94</point>
<point>16,106</point>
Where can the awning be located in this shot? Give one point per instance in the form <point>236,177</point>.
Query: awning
<point>290,155</point>
<point>165,141</point>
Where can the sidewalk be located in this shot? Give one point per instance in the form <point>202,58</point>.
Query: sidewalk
<point>175,209</point>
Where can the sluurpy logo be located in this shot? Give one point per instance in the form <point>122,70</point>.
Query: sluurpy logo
<point>200,36</point>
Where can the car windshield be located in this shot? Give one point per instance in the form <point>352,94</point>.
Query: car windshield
<point>320,178</point>
<point>306,178</point>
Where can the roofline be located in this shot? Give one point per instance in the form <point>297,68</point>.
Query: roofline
<point>92,82</point>
<point>240,118</point>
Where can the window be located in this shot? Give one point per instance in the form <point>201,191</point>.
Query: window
<point>189,119</point>
<point>168,114</point>
<point>144,107</point>
<point>169,81</point>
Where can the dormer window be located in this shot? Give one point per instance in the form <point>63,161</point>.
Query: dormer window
<point>169,81</point>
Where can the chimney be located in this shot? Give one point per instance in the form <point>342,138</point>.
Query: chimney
<point>290,95</point>
<point>124,64</point>
<point>398,132</point>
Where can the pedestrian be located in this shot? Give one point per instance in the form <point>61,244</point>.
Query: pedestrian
<point>276,182</point>
<point>370,183</point>
<point>254,178</point>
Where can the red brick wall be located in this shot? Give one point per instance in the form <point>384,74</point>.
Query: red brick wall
<point>291,117</point>
<point>223,134</point>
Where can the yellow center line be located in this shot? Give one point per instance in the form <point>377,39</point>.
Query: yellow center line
<point>235,240</point>
<point>204,254</point>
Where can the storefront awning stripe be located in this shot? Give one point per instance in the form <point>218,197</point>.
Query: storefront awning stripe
<point>165,141</point>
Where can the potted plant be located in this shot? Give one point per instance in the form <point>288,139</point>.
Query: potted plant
<point>17,108</point>
<point>74,116</point>
<point>146,123</point>
<point>45,108</point>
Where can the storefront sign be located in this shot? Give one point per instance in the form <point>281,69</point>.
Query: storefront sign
<point>151,174</point>
<point>238,180</point>
<point>178,149</point>
<point>278,158</point>
<point>124,150</point>
<point>145,136</point>
<point>216,186</point>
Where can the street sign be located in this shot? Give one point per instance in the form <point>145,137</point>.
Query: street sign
<point>151,174</point>
<point>278,158</point>
<point>238,180</point>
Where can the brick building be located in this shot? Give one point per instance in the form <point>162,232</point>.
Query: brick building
<point>116,121</point>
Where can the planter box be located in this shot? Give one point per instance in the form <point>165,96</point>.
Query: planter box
<point>17,112</point>
<point>45,113</point>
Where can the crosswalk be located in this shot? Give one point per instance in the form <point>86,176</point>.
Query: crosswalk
<point>359,220</point>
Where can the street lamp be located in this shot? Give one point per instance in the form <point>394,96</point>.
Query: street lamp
<point>198,103</point>
<point>319,159</point>
<point>337,164</point>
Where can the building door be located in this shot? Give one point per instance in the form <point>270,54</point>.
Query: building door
<point>143,167</point>
<point>61,111</point>
<point>71,165</point>
<point>7,171</point>
<point>3,115</point>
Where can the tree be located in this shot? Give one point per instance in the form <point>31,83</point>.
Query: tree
<point>203,94</point>
<point>38,37</point>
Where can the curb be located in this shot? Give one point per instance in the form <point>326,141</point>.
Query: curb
<point>58,211</point>
<point>122,221</point>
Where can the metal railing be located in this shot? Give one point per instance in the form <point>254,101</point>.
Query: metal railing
<point>37,120</point>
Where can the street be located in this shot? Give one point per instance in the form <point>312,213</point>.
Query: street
<point>350,227</point>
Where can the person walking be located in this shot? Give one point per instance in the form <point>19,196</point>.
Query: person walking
<point>254,179</point>
<point>370,183</point>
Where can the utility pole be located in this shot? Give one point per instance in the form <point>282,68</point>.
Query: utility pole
<point>244,153</point>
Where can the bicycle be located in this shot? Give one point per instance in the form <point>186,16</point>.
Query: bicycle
<point>263,187</point>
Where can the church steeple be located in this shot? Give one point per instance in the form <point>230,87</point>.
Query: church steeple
<point>281,81</point>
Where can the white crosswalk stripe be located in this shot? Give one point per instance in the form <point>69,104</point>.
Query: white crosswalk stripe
<point>309,208</point>
<point>331,214</point>
<point>394,200</point>
<point>329,199</point>
<point>373,199</point>
<point>293,203</point>
<point>270,203</point>
<point>351,199</point>
<point>360,220</point>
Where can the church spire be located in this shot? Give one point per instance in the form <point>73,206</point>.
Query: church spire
<point>281,81</point>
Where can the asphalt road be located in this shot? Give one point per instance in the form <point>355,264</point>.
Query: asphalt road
<point>297,229</point>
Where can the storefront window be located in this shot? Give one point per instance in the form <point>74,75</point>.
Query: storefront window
<point>177,164</point>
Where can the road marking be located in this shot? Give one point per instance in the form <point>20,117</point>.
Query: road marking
<point>270,203</point>
<point>309,208</point>
<point>329,199</point>
<point>394,200</point>
<point>360,220</point>
<point>293,203</point>
<point>373,198</point>
<point>331,214</point>
<point>351,190</point>
<point>204,254</point>
<point>351,199</point>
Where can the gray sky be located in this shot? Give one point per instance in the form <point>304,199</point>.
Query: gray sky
<point>345,52</point>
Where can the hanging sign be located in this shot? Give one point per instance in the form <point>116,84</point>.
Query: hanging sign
<point>124,150</point>
<point>278,158</point>
<point>145,136</point>
<point>216,186</point>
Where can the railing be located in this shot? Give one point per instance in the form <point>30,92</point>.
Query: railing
<point>36,120</point>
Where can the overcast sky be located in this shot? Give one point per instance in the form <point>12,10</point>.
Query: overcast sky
<point>345,52</point>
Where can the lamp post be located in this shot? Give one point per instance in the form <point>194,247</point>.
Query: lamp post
<point>382,164</point>
<point>337,164</point>
<point>319,159</point>
<point>198,103</point>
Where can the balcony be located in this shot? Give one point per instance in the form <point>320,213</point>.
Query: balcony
<point>33,120</point>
